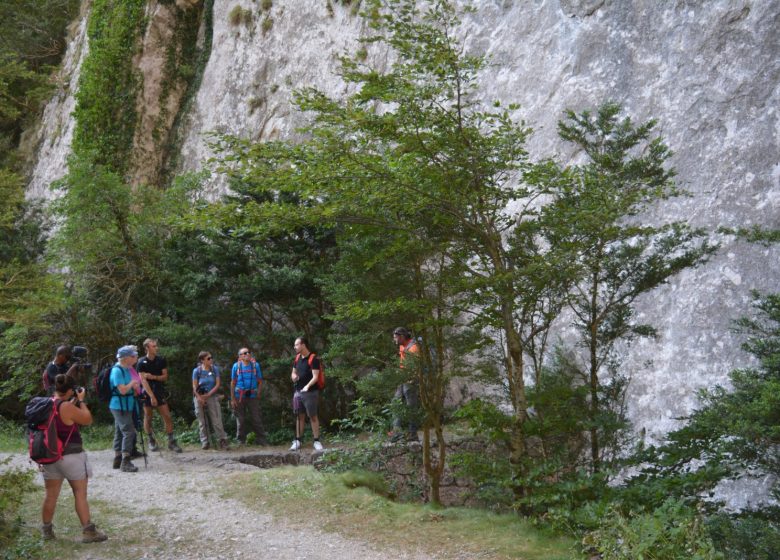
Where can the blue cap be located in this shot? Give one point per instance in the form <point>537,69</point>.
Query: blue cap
<point>126,351</point>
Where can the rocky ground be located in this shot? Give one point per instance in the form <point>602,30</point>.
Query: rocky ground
<point>188,518</point>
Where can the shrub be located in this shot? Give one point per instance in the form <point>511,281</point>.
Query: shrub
<point>673,531</point>
<point>14,484</point>
<point>239,15</point>
<point>745,537</point>
<point>267,4</point>
<point>366,479</point>
<point>268,23</point>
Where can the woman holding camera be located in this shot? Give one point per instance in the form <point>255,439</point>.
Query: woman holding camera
<point>73,467</point>
<point>205,384</point>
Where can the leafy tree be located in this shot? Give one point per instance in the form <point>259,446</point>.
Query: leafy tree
<point>32,41</point>
<point>596,219</point>
<point>412,152</point>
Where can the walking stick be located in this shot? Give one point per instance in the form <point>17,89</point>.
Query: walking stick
<point>140,431</point>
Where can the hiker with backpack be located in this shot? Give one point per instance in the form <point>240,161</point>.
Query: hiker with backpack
<point>246,382</point>
<point>205,384</point>
<point>154,369</point>
<point>123,405</point>
<point>407,392</point>
<point>61,364</point>
<point>305,376</point>
<point>69,413</point>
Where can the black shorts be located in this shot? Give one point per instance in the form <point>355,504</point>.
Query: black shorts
<point>160,394</point>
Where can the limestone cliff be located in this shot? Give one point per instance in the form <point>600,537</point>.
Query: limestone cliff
<point>709,72</point>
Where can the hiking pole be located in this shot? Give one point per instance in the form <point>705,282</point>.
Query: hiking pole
<point>140,433</point>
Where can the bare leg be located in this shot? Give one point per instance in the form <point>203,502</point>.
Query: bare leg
<point>165,412</point>
<point>79,488</point>
<point>301,425</point>
<point>50,501</point>
<point>148,411</point>
<point>315,426</point>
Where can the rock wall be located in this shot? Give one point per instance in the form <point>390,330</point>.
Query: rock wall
<point>709,72</point>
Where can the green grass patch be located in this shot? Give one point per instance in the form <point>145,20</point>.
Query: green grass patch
<point>361,514</point>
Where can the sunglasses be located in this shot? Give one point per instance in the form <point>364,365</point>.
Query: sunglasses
<point>207,358</point>
<point>243,353</point>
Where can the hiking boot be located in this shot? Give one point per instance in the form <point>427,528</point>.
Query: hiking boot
<point>135,454</point>
<point>223,445</point>
<point>127,465</point>
<point>91,534</point>
<point>153,444</point>
<point>317,445</point>
<point>205,446</point>
<point>47,532</point>
<point>296,445</point>
<point>117,461</point>
<point>173,446</point>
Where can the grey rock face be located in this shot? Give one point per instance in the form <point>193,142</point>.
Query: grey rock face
<point>708,71</point>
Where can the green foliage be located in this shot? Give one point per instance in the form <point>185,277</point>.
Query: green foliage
<point>105,101</point>
<point>733,434</point>
<point>14,484</point>
<point>362,456</point>
<point>32,41</point>
<point>671,532</point>
<point>745,537</point>
<point>613,258</point>
<point>364,417</point>
<point>366,479</point>
<point>239,15</point>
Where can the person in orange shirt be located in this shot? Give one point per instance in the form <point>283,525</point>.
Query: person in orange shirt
<point>406,392</point>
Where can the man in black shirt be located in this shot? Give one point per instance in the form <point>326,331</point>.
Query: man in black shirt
<point>154,369</point>
<point>305,372</point>
<point>60,364</point>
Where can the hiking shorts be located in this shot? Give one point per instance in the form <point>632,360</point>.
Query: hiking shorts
<point>71,467</point>
<point>159,392</point>
<point>306,402</point>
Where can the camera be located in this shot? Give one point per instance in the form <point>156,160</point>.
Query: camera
<point>78,355</point>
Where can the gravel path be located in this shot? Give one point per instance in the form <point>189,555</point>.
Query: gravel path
<point>189,519</point>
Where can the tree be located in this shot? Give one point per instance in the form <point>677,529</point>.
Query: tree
<point>411,151</point>
<point>596,218</point>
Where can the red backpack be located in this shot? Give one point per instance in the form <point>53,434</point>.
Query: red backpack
<point>321,376</point>
<point>44,445</point>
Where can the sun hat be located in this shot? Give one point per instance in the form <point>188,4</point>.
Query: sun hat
<point>126,351</point>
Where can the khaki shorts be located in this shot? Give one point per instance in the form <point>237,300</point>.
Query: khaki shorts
<point>71,467</point>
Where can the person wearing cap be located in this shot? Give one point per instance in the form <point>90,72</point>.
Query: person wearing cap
<point>407,391</point>
<point>123,403</point>
<point>61,364</point>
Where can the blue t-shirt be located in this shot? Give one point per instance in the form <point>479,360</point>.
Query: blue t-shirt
<point>121,376</point>
<point>246,377</point>
<point>207,380</point>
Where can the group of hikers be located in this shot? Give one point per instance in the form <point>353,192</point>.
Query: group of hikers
<point>132,380</point>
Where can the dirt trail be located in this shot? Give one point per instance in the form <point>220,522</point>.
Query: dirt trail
<point>188,518</point>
